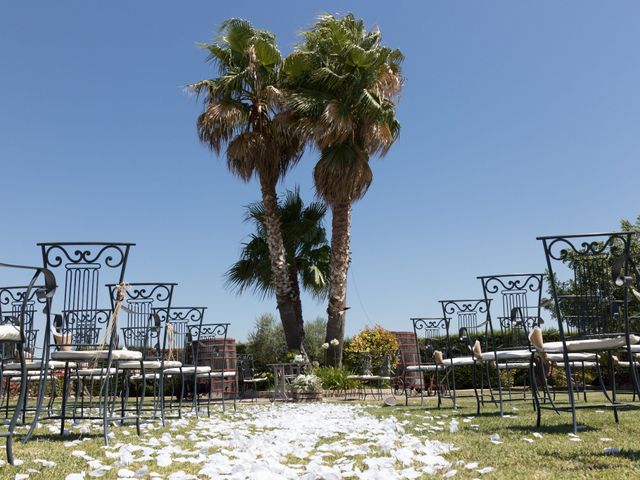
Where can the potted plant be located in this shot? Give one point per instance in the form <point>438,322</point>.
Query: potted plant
<point>306,388</point>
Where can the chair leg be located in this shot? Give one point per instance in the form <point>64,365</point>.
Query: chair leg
<point>41,389</point>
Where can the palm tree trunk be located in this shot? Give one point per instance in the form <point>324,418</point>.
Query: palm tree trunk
<point>340,260</point>
<point>286,296</point>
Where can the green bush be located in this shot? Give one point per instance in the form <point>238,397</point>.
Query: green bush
<point>335,378</point>
<point>376,342</point>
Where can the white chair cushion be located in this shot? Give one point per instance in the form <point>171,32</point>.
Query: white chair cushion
<point>187,370</point>
<point>151,376</point>
<point>31,375</point>
<point>422,368</point>
<point>9,333</point>
<point>578,365</point>
<point>587,345</point>
<point>513,366</point>
<point>255,380</point>
<point>460,361</point>
<point>504,355</point>
<point>53,365</point>
<point>226,373</point>
<point>364,377</point>
<point>591,344</point>
<point>573,357</point>
<point>148,364</point>
<point>95,372</point>
<point>88,355</point>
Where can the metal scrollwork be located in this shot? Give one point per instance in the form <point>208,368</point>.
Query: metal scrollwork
<point>112,255</point>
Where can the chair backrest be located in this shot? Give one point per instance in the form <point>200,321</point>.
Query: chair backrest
<point>18,308</point>
<point>141,330</point>
<point>12,301</point>
<point>177,336</point>
<point>587,275</point>
<point>210,345</point>
<point>245,366</point>
<point>516,299</point>
<point>85,267</point>
<point>431,335</point>
<point>470,321</point>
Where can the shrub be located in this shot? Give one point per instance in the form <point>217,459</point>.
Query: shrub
<point>377,342</point>
<point>335,378</point>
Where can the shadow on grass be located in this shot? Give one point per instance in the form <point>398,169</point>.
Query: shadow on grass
<point>56,437</point>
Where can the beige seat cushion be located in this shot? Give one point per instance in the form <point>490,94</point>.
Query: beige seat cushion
<point>187,370</point>
<point>150,364</point>
<point>95,372</point>
<point>255,380</point>
<point>148,376</point>
<point>573,357</point>
<point>32,375</point>
<point>225,374</point>
<point>422,368</point>
<point>460,361</point>
<point>578,365</point>
<point>505,355</point>
<point>53,365</point>
<point>588,345</point>
<point>9,333</point>
<point>513,366</point>
<point>89,355</point>
<point>364,378</point>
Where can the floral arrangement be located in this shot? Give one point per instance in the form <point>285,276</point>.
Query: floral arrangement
<point>307,384</point>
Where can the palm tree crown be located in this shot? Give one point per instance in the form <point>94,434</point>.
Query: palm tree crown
<point>243,104</point>
<point>344,89</point>
<point>305,242</point>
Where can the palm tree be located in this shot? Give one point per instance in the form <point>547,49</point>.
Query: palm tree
<point>243,111</point>
<point>344,86</point>
<point>306,245</point>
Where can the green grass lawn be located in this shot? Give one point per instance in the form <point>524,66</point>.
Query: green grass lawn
<point>554,455</point>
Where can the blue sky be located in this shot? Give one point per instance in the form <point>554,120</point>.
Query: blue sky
<point>518,119</point>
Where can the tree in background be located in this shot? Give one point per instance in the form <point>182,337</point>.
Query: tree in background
<point>243,110</point>
<point>343,88</point>
<point>306,247</point>
<point>266,342</point>
<point>377,342</point>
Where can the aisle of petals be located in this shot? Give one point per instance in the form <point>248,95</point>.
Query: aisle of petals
<point>286,441</point>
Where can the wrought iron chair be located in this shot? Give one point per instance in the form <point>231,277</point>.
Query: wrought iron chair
<point>591,306</point>
<point>142,333</point>
<point>248,381</point>
<point>11,300</point>
<point>84,335</point>
<point>176,356</point>
<point>517,297</point>
<point>14,341</point>
<point>470,318</point>
<point>430,336</point>
<point>211,349</point>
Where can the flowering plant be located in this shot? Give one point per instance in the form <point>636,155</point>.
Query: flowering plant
<point>298,359</point>
<point>325,346</point>
<point>335,342</point>
<point>307,383</point>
